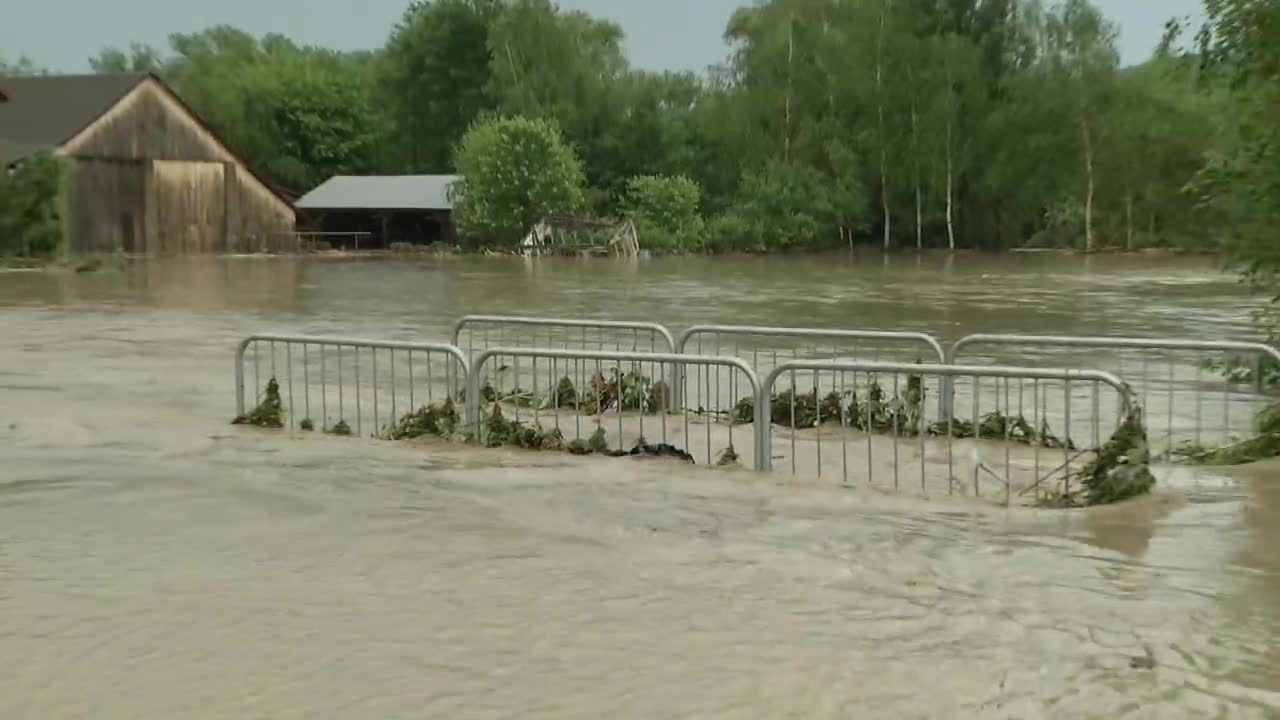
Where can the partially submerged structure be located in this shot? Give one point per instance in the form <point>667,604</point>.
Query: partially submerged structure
<point>571,235</point>
<point>379,211</point>
<point>140,171</point>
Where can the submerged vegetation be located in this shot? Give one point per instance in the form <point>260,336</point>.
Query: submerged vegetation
<point>1120,471</point>
<point>1264,446</point>
<point>30,214</point>
<point>269,413</point>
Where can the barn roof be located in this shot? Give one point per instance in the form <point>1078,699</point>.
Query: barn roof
<point>45,111</point>
<point>381,192</point>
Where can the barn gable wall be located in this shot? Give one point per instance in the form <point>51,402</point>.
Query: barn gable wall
<point>195,195</point>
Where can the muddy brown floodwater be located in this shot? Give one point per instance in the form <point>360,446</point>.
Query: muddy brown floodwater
<point>157,563</point>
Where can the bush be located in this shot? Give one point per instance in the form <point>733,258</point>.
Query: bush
<point>517,171</point>
<point>781,206</point>
<point>666,211</point>
<point>30,225</point>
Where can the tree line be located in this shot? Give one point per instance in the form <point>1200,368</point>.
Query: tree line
<point>899,123</point>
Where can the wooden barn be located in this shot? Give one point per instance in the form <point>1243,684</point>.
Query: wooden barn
<point>141,172</point>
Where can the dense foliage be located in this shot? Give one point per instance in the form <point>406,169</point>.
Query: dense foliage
<point>667,211</point>
<point>517,172</point>
<point>29,208</point>
<point>901,123</point>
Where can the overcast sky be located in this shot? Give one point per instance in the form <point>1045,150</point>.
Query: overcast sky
<point>661,34</point>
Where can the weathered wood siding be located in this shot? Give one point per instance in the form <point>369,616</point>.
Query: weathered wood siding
<point>190,200</point>
<point>105,206</point>
<point>195,195</point>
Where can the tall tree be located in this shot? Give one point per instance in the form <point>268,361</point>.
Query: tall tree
<point>138,59</point>
<point>433,75</point>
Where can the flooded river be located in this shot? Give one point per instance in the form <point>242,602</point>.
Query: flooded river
<point>157,563</point>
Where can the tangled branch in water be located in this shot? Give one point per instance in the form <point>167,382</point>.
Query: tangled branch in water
<point>269,413</point>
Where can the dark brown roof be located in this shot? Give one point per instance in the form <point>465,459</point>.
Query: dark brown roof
<point>43,112</point>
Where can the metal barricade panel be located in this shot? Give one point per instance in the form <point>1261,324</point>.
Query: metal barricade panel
<point>343,385</point>
<point>610,397</point>
<point>1013,430</point>
<point>765,348</point>
<point>1188,403</point>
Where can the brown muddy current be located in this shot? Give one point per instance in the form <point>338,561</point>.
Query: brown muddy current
<point>157,563</point>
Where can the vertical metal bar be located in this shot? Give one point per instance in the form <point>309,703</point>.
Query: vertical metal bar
<point>662,412</point>
<point>555,392</point>
<point>844,432</point>
<point>709,418</point>
<point>684,378</point>
<point>257,380</point>
<point>1097,415</point>
<point>394,405</point>
<point>1226,413</point>
<point>1008,428</point>
<point>1170,438</point>
<point>448,365</point>
<point>342,412</point>
<point>359,414</point>
<point>1146,388</point>
<point>698,378</point>
<point>949,387</point>
<point>644,399</point>
<point>1036,424</point>
<point>817,409</point>
<point>515,363</point>
<point>977,399</point>
<point>306,381</point>
<point>274,374</point>
<point>923,431</point>
<point>793,422</point>
<point>288,361</point>
<point>412,398</point>
<point>870,471</point>
<point>977,434</point>
<point>1066,440</point>
<point>533,397</point>
<point>732,415</point>
<point>895,405</point>
<point>373,353</point>
<point>1199,395</point>
<point>717,403</point>
<point>577,398</point>
<point>324,394</point>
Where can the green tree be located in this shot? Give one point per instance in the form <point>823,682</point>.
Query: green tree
<point>434,75</point>
<point>301,114</point>
<point>784,206</point>
<point>139,59</point>
<point>517,171</point>
<point>29,218</point>
<point>667,211</point>
<point>564,66</point>
<point>21,67</point>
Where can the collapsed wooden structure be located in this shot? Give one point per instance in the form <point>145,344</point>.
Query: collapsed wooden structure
<point>573,235</point>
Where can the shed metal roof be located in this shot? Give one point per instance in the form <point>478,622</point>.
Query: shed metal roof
<point>45,111</point>
<point>381,192</point>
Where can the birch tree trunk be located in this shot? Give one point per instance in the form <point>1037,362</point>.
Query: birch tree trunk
<point>951,227</point>
<point>884,151</point>
<point>791,55</point>
<point>1088,202</point>
<point>1128,222</point>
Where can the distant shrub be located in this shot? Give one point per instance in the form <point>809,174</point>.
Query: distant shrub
<point>667,212</point>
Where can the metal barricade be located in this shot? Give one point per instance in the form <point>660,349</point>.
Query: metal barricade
<point>760,346</point>
<point>1010,426</point>
<point>576,391</point>
<point>347,381</point>
<point>1186,402</point>
<point>485,331</point>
